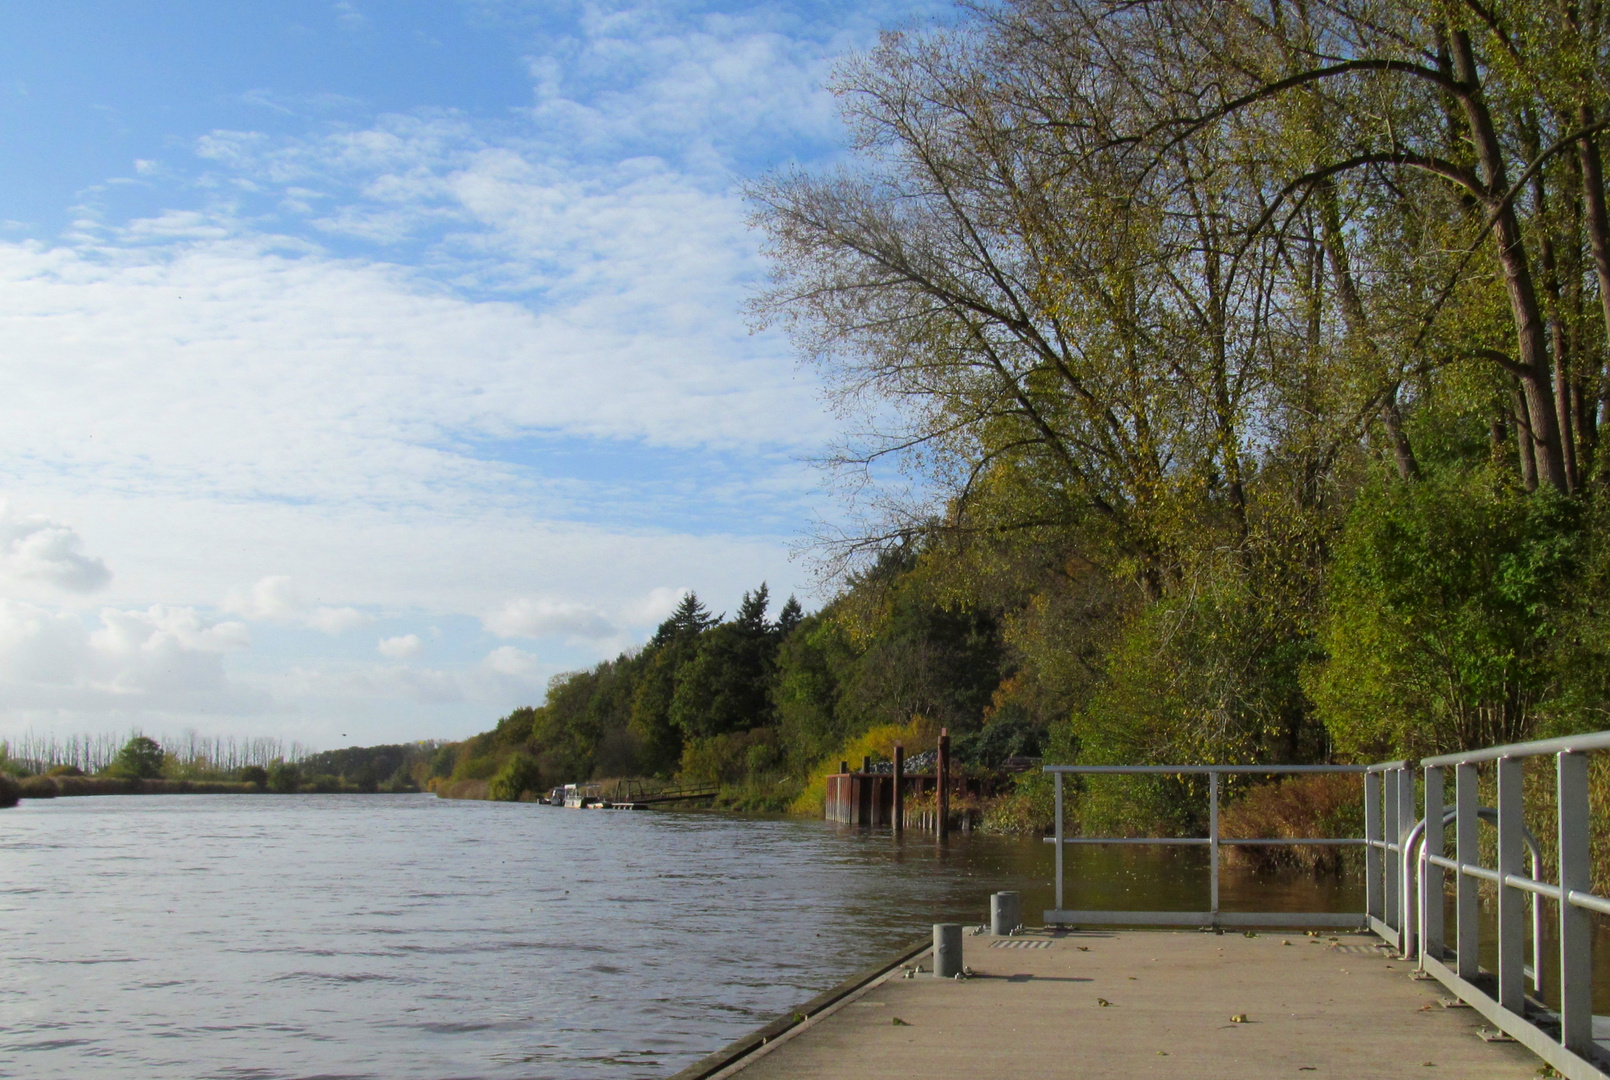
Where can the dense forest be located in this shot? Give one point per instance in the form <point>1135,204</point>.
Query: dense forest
<point>1221,381</point>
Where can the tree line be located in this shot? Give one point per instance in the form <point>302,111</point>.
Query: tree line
<point>756,704</point>
<point>49,762</point>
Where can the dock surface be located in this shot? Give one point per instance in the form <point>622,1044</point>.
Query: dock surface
<point>1134,1003</point>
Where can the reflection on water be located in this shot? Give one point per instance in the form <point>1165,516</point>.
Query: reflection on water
<point>405,936</point>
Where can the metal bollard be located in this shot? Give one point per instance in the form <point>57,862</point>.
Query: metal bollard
<point>1005,913</point>
<point>947,950</point>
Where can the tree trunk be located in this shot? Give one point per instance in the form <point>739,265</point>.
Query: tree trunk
<point>1402,452</point>
<point>1536,374</point>
<point>1598,229</point>
<point>1524,444</point>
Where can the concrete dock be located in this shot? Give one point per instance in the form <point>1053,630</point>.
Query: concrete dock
<point>1133,1003</point>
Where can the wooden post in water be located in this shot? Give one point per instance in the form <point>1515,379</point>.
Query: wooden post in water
<point>942,796</point>
<point>899,809</point>
<point>866,763</point>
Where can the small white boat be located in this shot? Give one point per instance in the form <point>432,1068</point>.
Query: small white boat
<point>584,796</point>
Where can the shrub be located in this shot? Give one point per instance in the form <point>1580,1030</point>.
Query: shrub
<point>325,783</point>
<point>10,791</point>
<point>519,774</point>
<point>64,770</point>
<point>1029,809</point>
<point>284,777</point>
<point>38,787</point>
<point>254,774</point>
<point>878,744</point>
<point>1442,609</point>
<point>1317,805</point>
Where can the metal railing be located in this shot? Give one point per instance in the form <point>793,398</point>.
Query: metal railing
<point>1564,1039</point>
<point>1213,841</point>
<point>1406,864</point>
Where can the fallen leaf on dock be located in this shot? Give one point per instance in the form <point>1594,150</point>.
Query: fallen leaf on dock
<point>1285,943</point>
<point>1425,1008</point>
<point>1103,1002</point>
<point>1239,1018</point>
<point>1082,948</point>
<point>900,1023</point>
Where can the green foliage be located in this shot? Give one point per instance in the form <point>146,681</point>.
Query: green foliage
<point>726,687</point>
<point>389,767</point>
<point>1443,605</point>
<point>10,791</point>
<point>254,774</point>
<point>812,664</point>
<point>442,761</point>
<point>141,759</point>
<point>520,774</point>
<point>284,777</point>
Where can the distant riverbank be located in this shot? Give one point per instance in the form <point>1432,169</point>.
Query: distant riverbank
<point>50,787</point>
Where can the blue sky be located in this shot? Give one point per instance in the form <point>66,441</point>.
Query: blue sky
<point>368,364</point>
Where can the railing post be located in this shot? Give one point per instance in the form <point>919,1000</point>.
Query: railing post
<point>1059,842</point>
<point>1512,921</point>
<point>1576,925</point>
<point>1213,840</point>
<point>1392,901</point>
<point>1466,913</point>
<point>1372,854</point>
<point>1430,874</point>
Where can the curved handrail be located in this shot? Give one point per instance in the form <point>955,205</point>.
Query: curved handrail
<point>1416,912</point>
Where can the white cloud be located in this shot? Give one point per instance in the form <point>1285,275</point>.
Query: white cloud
<point>655,607</point>
<point>271,598</point>
<point>533,618</point>
<point>400,648</point>
<point>276,599</point>
<point>161,657</point>
<point>508,660</point>
<point>37,549</point>
<point>335,621</point>
<point>348,15</point>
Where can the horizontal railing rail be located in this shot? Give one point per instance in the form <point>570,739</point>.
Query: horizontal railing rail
<point>1213,917</point>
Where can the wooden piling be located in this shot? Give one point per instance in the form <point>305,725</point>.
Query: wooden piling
<point>942,769</point>
<point>898,810</point>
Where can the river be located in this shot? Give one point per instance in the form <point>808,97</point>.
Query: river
<point>401,936</point>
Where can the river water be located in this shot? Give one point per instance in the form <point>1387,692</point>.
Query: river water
<point>402,936</point>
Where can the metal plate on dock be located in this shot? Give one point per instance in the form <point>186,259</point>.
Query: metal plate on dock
<point>1020,943</point>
